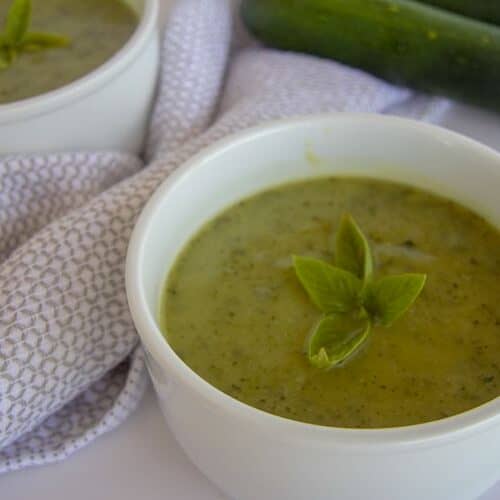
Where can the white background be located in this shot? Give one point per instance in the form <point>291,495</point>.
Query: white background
<point>141,459</point>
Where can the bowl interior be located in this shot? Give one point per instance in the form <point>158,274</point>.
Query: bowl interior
<point>147,12</point>
<point>385,148</point>
<point>349,145</point>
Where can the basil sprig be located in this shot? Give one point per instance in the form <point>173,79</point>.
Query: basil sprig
<point>352,301</point>
<point>15,38</point>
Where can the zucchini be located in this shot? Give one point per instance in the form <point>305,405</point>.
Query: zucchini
<point>401,41</point>
<point>484,10</point>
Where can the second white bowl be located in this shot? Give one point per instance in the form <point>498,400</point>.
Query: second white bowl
<point>108,109</point>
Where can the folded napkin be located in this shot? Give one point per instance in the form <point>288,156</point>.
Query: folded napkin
<point>70,365</point>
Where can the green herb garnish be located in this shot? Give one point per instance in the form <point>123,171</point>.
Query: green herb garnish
<point>15,39</point>
<point>352,301</point>
<point>336,337</point>
<point>352,251</point>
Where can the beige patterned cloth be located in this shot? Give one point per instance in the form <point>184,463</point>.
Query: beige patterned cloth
<point>70,365</point>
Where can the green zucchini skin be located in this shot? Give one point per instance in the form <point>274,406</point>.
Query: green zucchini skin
<point>484,10</point>
<point>401,41</point>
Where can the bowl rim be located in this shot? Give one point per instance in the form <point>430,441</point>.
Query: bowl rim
<point>479,418</point>
<point>40,104</point>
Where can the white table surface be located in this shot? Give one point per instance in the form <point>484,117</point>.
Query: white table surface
<point>141,460</point>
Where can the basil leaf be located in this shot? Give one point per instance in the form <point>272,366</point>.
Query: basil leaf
<point>18,21</point>
<point>335,338</point>
<point>352,251</point>
<point>44,41</point>
<point>330,288</point>
<point>390,297</point>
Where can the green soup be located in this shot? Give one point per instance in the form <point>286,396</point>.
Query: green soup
<point>234,311</point>
<point>97,30</point>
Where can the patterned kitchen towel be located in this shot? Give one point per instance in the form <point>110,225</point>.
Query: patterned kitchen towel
<point>70,365</point>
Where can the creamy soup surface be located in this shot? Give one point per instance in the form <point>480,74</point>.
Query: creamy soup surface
<point>97,30</point>
<point>234,311</point>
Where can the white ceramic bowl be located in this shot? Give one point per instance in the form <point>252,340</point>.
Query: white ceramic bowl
<point>254,455</point>
<point>106,109</point>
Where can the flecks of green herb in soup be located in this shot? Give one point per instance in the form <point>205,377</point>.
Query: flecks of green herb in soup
<point>434,362</point>
<point>97,30</point>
